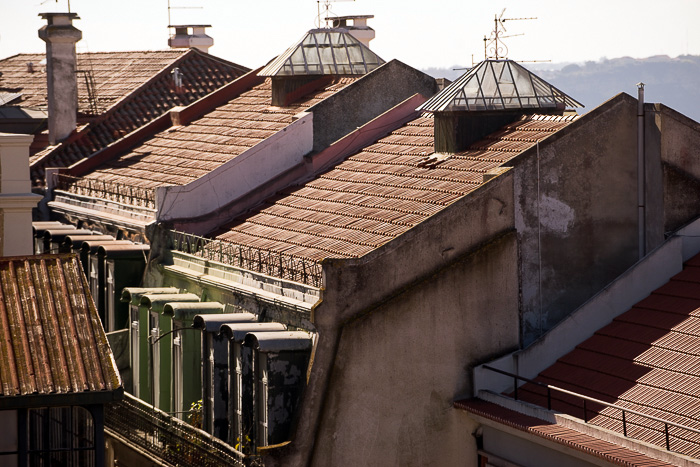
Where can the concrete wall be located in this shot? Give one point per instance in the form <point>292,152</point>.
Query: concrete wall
<point>370,96</point>
<point>616,298</point>
<point>583,231</point>
<point>680,155</point>
<point>398,330</point>
<point>400,367</point>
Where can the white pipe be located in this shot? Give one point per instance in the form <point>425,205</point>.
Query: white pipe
<point>641,171</point>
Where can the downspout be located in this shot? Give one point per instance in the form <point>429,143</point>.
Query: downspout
<point>641,171</point>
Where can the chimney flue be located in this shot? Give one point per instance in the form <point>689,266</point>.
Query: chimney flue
<point>60,36</point>
<point>191,35</point>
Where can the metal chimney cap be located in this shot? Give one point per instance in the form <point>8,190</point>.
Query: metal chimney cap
<point>51,16</point>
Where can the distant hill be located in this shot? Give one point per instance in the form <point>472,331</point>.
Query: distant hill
<point>674,82</point>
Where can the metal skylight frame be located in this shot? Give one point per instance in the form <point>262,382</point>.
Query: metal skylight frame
<point>327,51</point>
<point>498,85</point>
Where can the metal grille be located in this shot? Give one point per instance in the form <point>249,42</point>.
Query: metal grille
<point>119,192</point>
<point>166,437</point>
<point>267,262</point>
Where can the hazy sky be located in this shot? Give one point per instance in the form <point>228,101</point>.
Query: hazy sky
<point>427,33</point>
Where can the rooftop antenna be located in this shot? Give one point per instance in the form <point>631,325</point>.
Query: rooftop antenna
<point>179,8</point>
<point>46,1</point>
<point>494,43</point>
<point>327,13</point>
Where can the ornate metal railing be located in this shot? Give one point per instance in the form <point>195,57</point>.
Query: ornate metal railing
<point>119,192</point>
<point>168,438</point>
<point>254,259</point>
<point>674,436</point>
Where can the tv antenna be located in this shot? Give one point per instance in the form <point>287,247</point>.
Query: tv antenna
<point>494,43</point>
<point>47,1</point>
<point>327,13</point>
<point>179,8</point>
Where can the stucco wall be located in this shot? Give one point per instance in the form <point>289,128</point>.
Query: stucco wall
<point>680,154</point>
<point>382,89</point>
<point>586,218</point>
<point>425,307</point>
<point>400,367</point>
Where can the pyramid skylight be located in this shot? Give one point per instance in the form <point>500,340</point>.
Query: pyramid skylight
<point>498,85</point>
<point>332,51</point>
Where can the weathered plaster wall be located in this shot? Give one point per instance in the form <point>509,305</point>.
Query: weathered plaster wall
<point>680,155</point>
<point>412,302</point>
<point>382,89</point>
<point>400,367</point>
<point>583,232</point>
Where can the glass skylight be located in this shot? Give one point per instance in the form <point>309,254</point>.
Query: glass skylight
<point>332,51</point>
<point>498,85</point>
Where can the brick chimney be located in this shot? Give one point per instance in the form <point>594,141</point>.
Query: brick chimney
<point>60,36</point>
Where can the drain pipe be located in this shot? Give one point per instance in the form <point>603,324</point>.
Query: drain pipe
<point>641,171</point>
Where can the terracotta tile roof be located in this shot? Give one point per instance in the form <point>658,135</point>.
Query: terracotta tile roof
<point>133,88</point>
<point>52,339</point>
<point>647,360</point>
<point>180,155</point>
<point>608,451</point>
<point>380,192</point>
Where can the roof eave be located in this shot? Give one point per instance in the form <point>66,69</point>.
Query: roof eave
<point>64,399</point>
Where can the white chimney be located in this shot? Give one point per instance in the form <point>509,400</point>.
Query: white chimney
<point>358,29</point>
<point>191,35</point>
<point>16,198</point>
<point>60,36</point>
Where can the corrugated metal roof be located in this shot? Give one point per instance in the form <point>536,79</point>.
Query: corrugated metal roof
<point>212,323</point>
<point>133,294</point>
<point>278,341</point>
<point>187,310</point>
<point>586,443</point>
<point>238,331</point>
<point>52,339</point>
<point>498,85</point>
<point>380,192</point>
<point>647,360</point>
<point>157,301</point>
<point>327,51</point>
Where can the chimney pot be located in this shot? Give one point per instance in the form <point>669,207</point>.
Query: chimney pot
<point>198,38</point>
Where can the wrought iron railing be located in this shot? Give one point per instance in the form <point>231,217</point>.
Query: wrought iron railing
<point>664,429</point>
<point>119,192</point>
<point>168,438</point>
<point>254,259</point>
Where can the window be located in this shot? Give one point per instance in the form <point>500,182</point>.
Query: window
<point>49,436</point>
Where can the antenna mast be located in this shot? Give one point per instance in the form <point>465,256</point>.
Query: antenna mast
<point>494,43</point>
<point>178,8</point>
<point>326,12</point>
<point>45,1</point>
